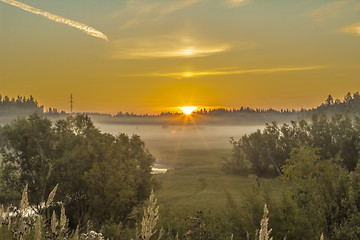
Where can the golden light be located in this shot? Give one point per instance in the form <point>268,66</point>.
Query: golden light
<point>188,74</point>
<point>188,51</point>
<point>188,109</point>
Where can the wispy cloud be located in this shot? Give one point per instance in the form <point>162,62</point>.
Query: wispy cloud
<point>139,12</point>
<point>335,9</point>
<point>164,36</point>
<point>230,72</point>
<point>236,3</point>
<point>82,27</point>
<point>351,29</point>
<point>168,46</point>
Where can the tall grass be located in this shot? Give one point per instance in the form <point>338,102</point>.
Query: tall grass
<point>25,224</point>
<point>22,224</point>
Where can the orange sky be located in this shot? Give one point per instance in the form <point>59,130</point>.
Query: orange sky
<point>148,56</point>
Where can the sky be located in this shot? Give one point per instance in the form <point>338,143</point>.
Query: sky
<point>148,56</point>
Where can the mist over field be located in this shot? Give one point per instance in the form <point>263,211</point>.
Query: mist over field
<point>165,142</point>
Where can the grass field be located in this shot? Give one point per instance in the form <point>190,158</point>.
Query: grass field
<point>197,183</point>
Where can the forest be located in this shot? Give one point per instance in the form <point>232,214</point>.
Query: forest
<point>10,106</point>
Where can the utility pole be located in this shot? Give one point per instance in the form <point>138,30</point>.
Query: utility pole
<point>71,103</point>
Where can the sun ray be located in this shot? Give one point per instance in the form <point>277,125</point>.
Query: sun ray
<point>188,110</point>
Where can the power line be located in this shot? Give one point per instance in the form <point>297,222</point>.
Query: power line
<point>71,103</point>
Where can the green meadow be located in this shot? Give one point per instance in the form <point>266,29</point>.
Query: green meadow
<point>197,183</point>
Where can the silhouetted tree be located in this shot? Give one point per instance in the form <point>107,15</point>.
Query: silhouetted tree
<point>329,101</point>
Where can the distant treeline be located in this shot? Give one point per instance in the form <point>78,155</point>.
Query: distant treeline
<point>20,104</point>
<point>350,103</point>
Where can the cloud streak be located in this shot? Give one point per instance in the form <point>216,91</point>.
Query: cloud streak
<point>82,27</point>
<point>335,9</point>
<point>186,52</point>
<point>352,29</point>
<point>145,12</point>
<point>231,72</point>
<point>167,46</point>
<point>141,12</point>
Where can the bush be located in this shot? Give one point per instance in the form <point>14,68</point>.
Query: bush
<point>267,150</point>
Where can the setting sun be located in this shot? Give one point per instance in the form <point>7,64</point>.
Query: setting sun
<point>188,109</point>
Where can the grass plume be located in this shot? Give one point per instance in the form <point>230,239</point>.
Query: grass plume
<point>54,222</point>
<point>150,218</point>
<point>264,232</point>
<point>63,219</point>
<point>24,203</point>
<point>38,228</point>
<point>51,196</point>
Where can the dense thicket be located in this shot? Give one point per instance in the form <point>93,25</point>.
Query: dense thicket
<point>317,196</point>
<point>267,150</point>
<point>101,176</point>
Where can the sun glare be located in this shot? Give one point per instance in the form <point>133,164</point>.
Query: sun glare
<point>188,109</point>
<point>188,51</point>
<point>188,74</point>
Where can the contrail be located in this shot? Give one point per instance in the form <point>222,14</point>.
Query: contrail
<point>86,29</point>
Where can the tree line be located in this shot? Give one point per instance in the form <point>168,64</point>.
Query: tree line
<point>20,103</point>
<point>350,102</point>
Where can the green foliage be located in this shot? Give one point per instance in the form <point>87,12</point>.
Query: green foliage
<point>321,192</point>
<point>237,163</point>
<point>27,151</point>
<point>102,176</point>
<point>338,137</point>
<point>318,196</point>
<point>301,165</point>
